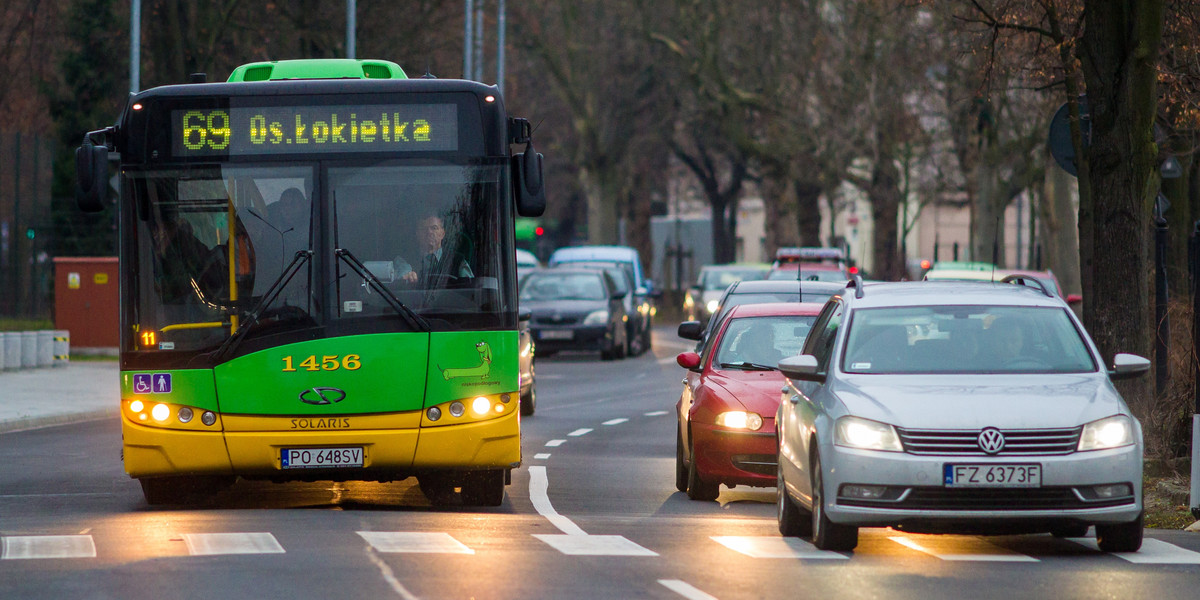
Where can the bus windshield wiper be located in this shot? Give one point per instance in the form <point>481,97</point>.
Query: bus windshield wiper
<point>302,256</point>
<point>747,366</point>
<point>413,318</point>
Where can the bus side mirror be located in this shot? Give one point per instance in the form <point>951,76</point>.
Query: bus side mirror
<point>527,178</point>
<point>91,177</point>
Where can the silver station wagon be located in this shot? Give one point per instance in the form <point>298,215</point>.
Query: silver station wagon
<point>956,407</point>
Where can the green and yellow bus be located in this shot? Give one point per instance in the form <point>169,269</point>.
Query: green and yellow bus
<point>277,319</point>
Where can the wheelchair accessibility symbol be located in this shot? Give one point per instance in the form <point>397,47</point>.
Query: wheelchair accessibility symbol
<point>152,383</point>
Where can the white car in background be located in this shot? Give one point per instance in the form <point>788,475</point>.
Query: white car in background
<point>935,407</point>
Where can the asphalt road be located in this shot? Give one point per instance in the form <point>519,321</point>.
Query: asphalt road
<point>593,513</point>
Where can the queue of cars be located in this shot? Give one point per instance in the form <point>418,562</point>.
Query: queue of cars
<point>928,407</point>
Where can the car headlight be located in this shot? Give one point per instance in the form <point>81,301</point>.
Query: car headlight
<point>854,432</point>
<point>712,306</point>
<point>1111,432</point>
<point>740,419</point>
<point>597,317</point>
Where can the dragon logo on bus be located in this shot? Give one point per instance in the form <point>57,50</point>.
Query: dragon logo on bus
<point>321,396</point>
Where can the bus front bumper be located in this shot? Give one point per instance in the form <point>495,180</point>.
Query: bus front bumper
<point>386,454</point>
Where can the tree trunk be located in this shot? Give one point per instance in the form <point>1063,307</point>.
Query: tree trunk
<point>808,211</point>
<point>884,193</point>
<point>987,241</point>
<point>1057,230</point>
<point>602,218</point>
<point>1179,217</point>
<point>779,207</point>
<point>1119,52</point>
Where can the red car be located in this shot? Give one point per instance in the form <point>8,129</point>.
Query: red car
<point>726,412</point>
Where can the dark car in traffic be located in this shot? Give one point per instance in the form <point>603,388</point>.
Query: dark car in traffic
<point>757,292</point>
<point>576,309</point>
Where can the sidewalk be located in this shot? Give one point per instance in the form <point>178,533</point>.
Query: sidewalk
<point>80,391</point>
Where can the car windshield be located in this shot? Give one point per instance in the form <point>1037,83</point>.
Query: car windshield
<point>563,286</point>
<point>719,280</point>
<point>965,339</point>
<point>762,341</point>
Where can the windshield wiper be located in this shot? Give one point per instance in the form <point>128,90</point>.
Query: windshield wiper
<point>302,256</point>
<point>413,318</point>
<point>747,366</point>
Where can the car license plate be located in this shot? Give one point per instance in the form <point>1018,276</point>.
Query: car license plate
<point>318,458</point>
<point>557,334</point>
<point>1022,475</point>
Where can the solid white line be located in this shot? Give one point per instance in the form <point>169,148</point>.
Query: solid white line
<point>686,590</point>
<point>555,443</point>
<point>542,456</point>
<point>656,413</point>
<point>389,576</point>
<point>538,486</point>
<point>579,432</point>
<point>614,421</point>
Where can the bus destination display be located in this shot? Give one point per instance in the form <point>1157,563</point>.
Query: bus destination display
<point>315,129</point>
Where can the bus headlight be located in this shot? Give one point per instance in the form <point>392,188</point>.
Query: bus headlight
<point>160,412</point>
<point>480,406</point>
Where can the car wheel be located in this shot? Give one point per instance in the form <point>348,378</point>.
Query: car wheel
<point>697,487</point>
<point>646,342</point>
<point>1069,531</point>
<point>681,469</point>
<point>792,523</point>
<point>1121,537</point>
<point>529,400</point>
<point>437,487</point>
<point>483,488</point>
<point>635,347</point>
<point>826,534</point>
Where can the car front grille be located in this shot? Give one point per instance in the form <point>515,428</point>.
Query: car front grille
<point>1017,442</point>
<point>940,498</point>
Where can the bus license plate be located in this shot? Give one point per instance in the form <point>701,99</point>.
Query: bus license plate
<point>1018,476</point>
<point>318,458</point>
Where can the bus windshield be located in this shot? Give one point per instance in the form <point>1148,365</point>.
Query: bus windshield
<point>421,234</point>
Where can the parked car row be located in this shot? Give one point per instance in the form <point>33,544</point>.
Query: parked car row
<point>928,407</point>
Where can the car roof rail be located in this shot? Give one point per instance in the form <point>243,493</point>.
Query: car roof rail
<point>1026,280</point>
<point>857,284</point>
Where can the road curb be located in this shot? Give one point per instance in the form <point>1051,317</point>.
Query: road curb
<point>39,422</point>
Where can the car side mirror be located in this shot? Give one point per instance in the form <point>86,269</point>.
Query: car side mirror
<point>1128,366</point>
<point>524,314</point>
<point>688,360</point>
<point>91,176</point>
<point>803,367</point>
<point>530,184</point>
<point>691,330</point>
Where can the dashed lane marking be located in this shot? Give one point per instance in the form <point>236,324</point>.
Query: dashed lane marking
<point>555,443</point>
<point>1153,552</point>
<point>212,544</point>
<point>579,432</point>
<point>655,413</point>
<point>615,421</point>
<point>962,549</point>
<point>414,542</point>
<point>594,545</point>
<point>542,456</point>
<point>774,547</point>
<point>685,589</point>
<point>48,546</point>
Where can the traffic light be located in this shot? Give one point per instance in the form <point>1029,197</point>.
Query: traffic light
<point>30,233</point>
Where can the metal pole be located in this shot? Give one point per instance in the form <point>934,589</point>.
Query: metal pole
<point>1195,268</point>
<point>1160,306</point>
<point>351,27</point>
<point>478,60</point>
<point>468,39</point>
<point>500,27</point>
<point>135,47</point>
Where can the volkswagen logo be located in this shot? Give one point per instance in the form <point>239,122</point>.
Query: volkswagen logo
<point>326,395</point>
<point>991,440</point>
